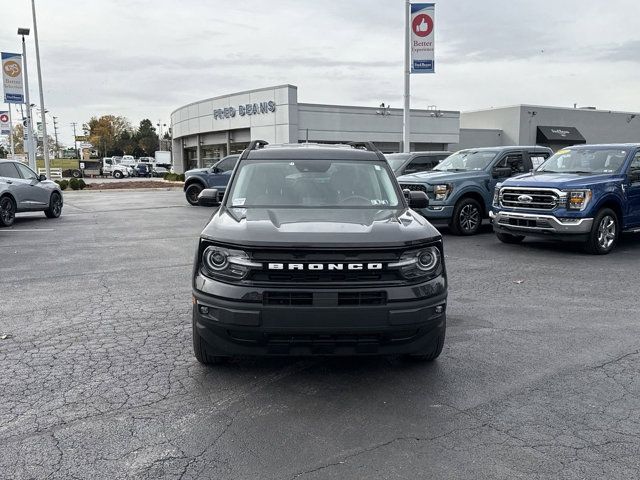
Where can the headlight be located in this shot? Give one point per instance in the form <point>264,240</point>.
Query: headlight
<point>496,196</point>
<point>441,191</point>
<point>224,263</point>
<point>578,199</point>
<point>419,264</point>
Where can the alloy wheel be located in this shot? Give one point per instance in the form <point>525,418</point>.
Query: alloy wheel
<point>7,211</point>
<point>469,218</point>
<point>606,232</point>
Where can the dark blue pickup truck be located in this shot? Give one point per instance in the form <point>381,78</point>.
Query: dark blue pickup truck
<point>586,193</point>
<point>216,177</point>
<point>460,188</point>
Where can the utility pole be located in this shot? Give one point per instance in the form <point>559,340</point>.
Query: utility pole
<point>13,150</point>
<point>45,140</point>
<point>406,133</point>
<point>55,133</point>
<point>30,144</point>
<point>75,142</point>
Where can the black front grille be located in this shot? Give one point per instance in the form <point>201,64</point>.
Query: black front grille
<point>362,298</point>
<point>535,198</point>
<point>324,258</point>
<point>326,300</point>
<point>413,188</point>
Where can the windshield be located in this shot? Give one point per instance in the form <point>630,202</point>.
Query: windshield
<point>313,184</point>
<point>586,161</point>
<point>467,160</point>
<point>396,160</point>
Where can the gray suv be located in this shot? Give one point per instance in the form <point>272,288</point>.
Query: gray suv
<point>22,190</point>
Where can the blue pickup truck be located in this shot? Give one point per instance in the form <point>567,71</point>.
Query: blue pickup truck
<point>217,177</point>
<point>586,193</point>
<point>460,188</point>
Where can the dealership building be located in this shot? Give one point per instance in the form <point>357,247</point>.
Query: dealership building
<point>207,130</point>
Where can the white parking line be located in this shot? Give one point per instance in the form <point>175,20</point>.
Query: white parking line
<point>29,230</point>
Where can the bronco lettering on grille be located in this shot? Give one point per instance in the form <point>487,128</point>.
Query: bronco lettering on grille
<point>323,266</point>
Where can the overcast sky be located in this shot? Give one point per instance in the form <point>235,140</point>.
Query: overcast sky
<point>143,59</point>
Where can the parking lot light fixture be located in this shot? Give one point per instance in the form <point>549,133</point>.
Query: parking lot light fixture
<point>30,144</point>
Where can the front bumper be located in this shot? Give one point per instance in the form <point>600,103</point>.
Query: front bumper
<point>232,327</point>
<point>516,223</point>
<point>437,212</point>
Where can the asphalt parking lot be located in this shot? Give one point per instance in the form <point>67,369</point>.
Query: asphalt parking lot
<point>539,377</point>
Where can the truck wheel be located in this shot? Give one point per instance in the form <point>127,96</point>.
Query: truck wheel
<point>55,206</point>
<point>604,233</point>
<point>192,193</point>
<point>202,354</point>
<point>7,212</point>
<point>117,174</point>
<point>76,173</point>
<point>507,238</point>
<point>467,217</point>
<point>431,355</point>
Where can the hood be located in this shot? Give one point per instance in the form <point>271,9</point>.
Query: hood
<point>195,170</point>
<point>558,180</point>
<point>330,227</point>
<point>435,177</point>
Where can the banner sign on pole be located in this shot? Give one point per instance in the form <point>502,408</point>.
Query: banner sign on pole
<point>12,77</point>
<point>422,37</point>
<point>5,128</point>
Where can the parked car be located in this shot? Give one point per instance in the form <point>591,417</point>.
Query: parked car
<point>22,190</point>
<point>159,171</point>
<point>217,177</point>
<point>460,188</point>
<point>585,193</point>
<point>142,170</point>
<point>414,162</point>
<point>316,251</point>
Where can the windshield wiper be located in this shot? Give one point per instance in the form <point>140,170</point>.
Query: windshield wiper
<point>453,170</point>
<point>577,171</point>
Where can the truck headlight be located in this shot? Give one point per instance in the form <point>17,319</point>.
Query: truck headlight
<point>226,264</point>
<point>442,191</point>
<point>578,199</point>
<point>419,264</point>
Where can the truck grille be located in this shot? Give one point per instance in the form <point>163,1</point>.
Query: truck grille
<point>413,188</point>
<point>534,198</point>
<point>303,277</point>
<point>322,299</point>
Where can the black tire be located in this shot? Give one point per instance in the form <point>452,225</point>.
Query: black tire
<point>202,354</point>
<point>117,174</point>
<point>467,217</point>
<point>192,193</point>
<point>433,353</point>
<point>7,211</point>
<point>508,238</point>
<point>76,173</point>
<point>55,206</point>
<point>604,234</point>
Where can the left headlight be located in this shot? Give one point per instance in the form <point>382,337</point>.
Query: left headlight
<point>226,264</point>
<point>578,199</point>
<point>420,264</point>
<point>442,191</point>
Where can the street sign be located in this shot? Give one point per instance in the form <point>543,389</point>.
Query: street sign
<point>81,138</point>
<point>5,128</point>
<point>422,37</point>
<point>81,165</point>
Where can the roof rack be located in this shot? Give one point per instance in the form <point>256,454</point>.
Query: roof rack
<point>370,146</point>
<point>253,145</point>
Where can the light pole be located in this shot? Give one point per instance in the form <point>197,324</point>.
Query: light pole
<point>31,149</point>
<point>45,140</point>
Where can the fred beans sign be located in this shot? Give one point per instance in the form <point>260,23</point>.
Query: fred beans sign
<point>246,109</point>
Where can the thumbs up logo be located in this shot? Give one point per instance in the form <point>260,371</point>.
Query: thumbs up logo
<point>422,25</point>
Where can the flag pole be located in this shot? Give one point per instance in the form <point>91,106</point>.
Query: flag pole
<point>406,140</point>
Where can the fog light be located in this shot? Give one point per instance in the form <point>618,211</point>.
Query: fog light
<point>204,309</point>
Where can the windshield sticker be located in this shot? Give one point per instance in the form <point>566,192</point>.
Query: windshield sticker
<point>379,202</point>
<point>238,202</point>
<point>377,167</point>
<point>562,152</point>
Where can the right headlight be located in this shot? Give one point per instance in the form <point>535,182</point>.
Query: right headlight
<point>420,264</point>
<point>496,196</point>
<point>442,191</point>
<point>226,264</point>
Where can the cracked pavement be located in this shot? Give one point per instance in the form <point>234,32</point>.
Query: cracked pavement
<point>538,377</point>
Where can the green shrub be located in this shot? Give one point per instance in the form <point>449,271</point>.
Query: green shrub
<point>74,183</point>
<point>81,184</point>
<point>63,184</point>
<point>181,177</point>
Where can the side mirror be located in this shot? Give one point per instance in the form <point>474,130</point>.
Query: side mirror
<point>215,170</point>
<point>42,177</point>
<point>418,200</point>
<point>634,176</point>
<point>208,198</point>
<point>502,172</point>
